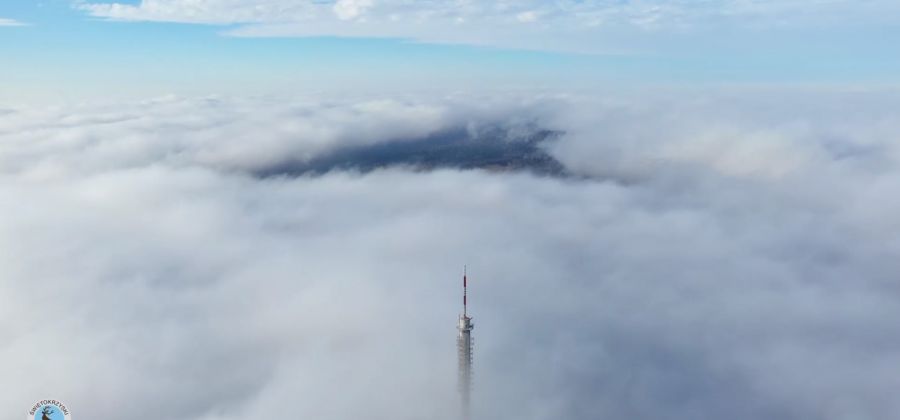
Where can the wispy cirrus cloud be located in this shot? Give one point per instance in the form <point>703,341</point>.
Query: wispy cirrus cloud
<point>583,26</point>
<point>587,13</point>
<point>11,22</point>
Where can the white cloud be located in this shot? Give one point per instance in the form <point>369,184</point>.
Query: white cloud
<point>527,17</point>
<point>351,9</point>
<point>582,26</point>
<point>10,22</point>
<point>221,135</point>
<point>725,257</point>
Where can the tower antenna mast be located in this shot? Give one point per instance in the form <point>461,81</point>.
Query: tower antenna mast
<point>465,290</point>
<point>464,346</point>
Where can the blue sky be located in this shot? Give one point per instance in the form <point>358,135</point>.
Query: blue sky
<point>64,48</point>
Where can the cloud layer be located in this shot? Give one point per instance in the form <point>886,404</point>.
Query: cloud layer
<point>581,26</point>
<point>723,256</point>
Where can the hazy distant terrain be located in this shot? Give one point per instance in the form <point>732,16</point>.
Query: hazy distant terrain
<point>496,149</point>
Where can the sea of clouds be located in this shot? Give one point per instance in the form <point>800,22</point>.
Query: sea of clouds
<point>725,255</point>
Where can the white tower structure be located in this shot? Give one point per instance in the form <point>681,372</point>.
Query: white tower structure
<point>464,347</point>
